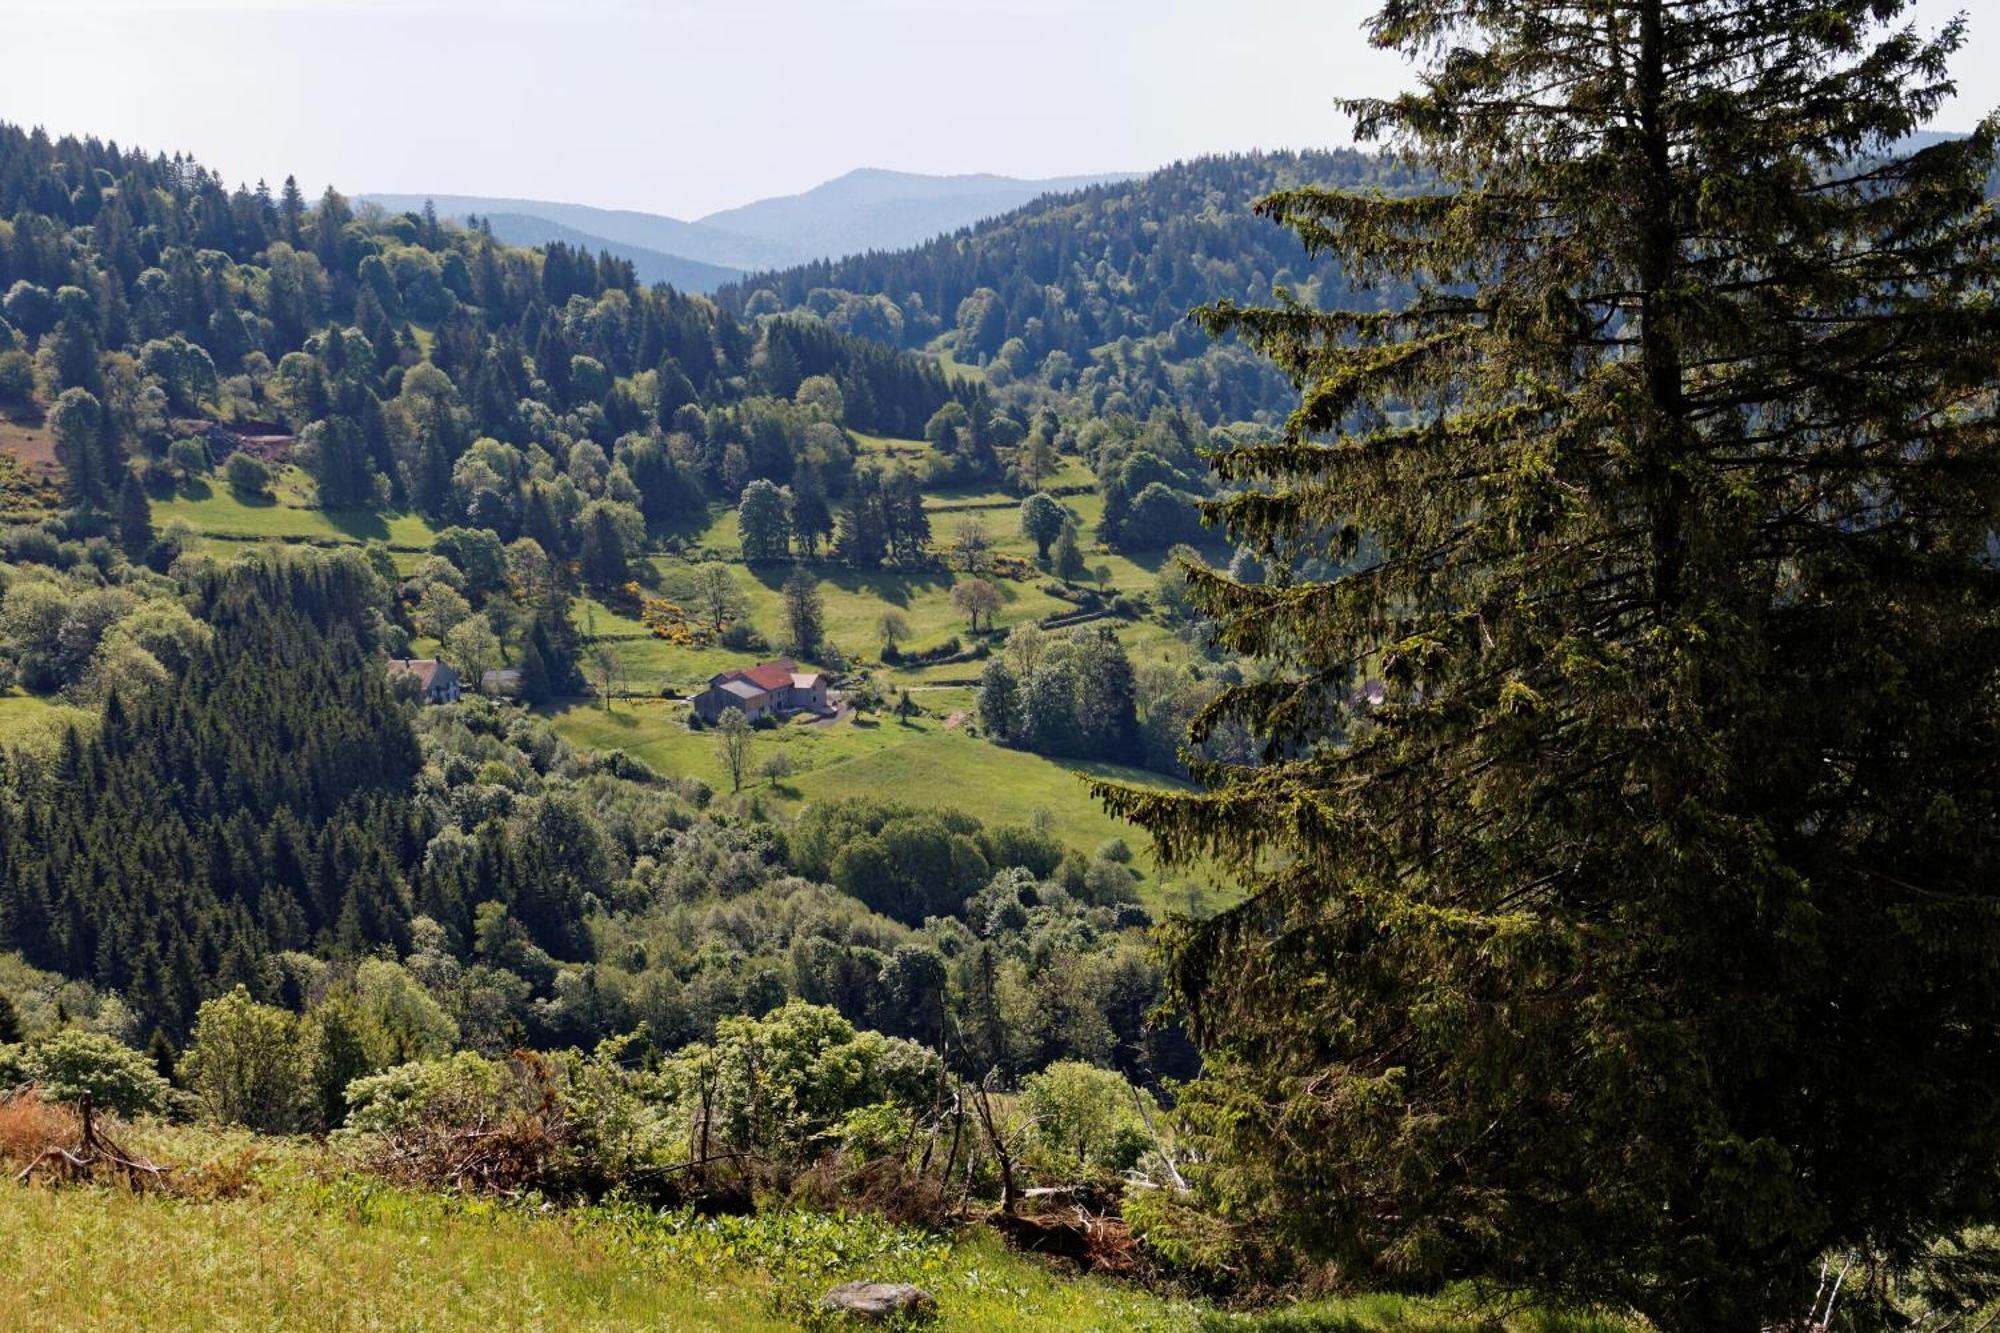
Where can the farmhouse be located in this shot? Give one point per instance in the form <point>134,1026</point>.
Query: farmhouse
<point>436,682</point>
<point>768,688</point>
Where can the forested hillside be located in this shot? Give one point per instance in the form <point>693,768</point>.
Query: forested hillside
<point>500,446</point>
<point>111,251</point>
<point>1087,295</point>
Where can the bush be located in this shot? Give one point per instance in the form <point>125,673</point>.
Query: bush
<point>744,638</point>
<point>26,545</point>
<point>17,378</point>
<point>1085,1121</point>
<point>1107,883</point>
<point>1115,849</point>
<point>74,1063</point>
<point>622,765</point>
<point>1193,1239</point>
<point>942,652</point>
<point>562,1125</point>
<point>1008,845</point>
<point>248,475</point>
<point>189,457</point>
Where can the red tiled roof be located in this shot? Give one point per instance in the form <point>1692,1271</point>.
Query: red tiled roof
<point>770,675</point>
<point>423,668</point>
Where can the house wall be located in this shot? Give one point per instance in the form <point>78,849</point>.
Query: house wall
<point>444,685</point>
<point>712,703</point>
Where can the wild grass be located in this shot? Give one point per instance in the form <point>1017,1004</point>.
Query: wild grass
<point>312,1244</point>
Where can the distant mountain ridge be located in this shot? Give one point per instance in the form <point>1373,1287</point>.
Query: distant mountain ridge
<point>690,275</point>
<point>874,209</point>
<point>603,227</point>
<point>865,210</point>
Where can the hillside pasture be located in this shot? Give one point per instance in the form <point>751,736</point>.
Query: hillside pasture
<point>213,509</point>
<point>854,602</point>
<point>921,762</point>
<point>36,722</point>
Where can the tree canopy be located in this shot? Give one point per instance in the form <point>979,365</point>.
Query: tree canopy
<point>1628,936</point>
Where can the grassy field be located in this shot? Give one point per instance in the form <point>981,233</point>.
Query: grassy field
<point>957,369</point>
<point>312,1245</point>
<point>922,762</point>
<point>212,509</point>
<point>37,723</point>
<point>854,602</point>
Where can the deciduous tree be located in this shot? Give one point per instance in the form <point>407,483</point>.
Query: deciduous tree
<point>733,737</point>
<point>976,598</point>
<point>1042,521</point>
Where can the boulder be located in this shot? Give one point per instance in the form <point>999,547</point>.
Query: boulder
<point>878,1301</point>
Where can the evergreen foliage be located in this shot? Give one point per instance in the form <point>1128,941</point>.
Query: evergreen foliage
<point>1638,946</point>
<point>1088,293</point>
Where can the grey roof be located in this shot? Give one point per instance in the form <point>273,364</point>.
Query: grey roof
<point>742,689</point>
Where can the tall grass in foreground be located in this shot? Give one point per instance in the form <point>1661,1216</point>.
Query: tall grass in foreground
<point>312,1245</point>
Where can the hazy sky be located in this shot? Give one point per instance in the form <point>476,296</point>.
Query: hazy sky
<point>687,106</point>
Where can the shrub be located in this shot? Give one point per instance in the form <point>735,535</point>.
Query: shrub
<point>27,545</point>
<point>248,475</point>
<point>744,638</point>
<point>1115,849</point>
<point>562,1125</point>
<point>463,1086</point>
<point>950,648</point>
<point>1106,883</point>
<point>1008,845</point>
<point>17,378</point>
<point>1084,1121</point>
<point>30,1126</point>
<point>189,457</point>
<point>73,1063</point>
<point>247,1063</point>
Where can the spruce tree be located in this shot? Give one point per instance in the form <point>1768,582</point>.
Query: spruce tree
<point>1637,946</point>
<point>805,613</point>
<point>135,519</point>
<point>1067,560</point>
<point>161,1054</point>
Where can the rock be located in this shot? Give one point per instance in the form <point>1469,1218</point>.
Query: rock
<point>879,1301</point>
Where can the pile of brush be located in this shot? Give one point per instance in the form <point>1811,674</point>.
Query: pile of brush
<point>523,1142</point>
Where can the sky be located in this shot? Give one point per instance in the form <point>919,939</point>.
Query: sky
<point>686,107</point>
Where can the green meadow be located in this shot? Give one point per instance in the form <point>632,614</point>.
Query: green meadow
<point>36,722</point>
<point>924,761</point>
<point>212,509</point>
